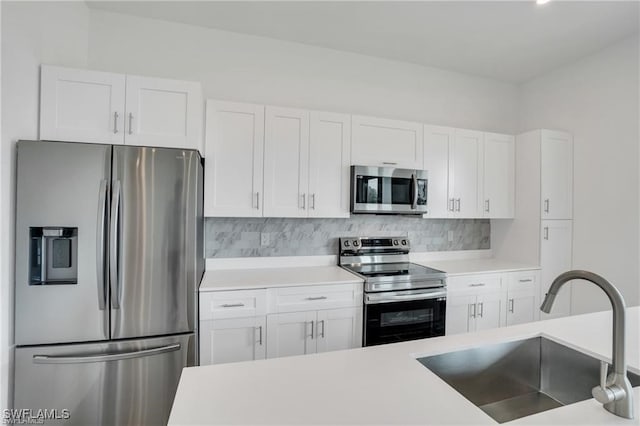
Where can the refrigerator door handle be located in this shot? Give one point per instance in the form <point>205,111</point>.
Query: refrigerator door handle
<point>80,359</point>
<point>102,205</point>
<point>113,246</point>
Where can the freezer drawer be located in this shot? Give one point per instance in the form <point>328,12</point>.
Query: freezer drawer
<point>115,383</point>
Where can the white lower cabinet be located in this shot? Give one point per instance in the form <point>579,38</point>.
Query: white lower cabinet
<point>555,258</point>
<point>485,301</point>
<point>471,312</point>
<point>291,333</point>
<point>488,311</point>
<point>339,329</point>
<point>458,319</point>
<point>300,333</point>
<point>522,297</point>
<point>232,340</point>
<point>245,325</point>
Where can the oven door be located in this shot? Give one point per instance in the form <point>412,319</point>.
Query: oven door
<point>396,316</point>
<point>388,190</point>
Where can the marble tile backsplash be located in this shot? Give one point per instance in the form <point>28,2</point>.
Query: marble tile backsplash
<point>242,237</point>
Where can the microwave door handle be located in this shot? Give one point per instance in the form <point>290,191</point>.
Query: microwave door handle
<point>414,201</point>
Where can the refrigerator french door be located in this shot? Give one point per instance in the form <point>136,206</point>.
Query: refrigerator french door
<point>108,259</point>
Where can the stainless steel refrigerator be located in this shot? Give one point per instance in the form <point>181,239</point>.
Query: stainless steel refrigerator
<point>108,261</point>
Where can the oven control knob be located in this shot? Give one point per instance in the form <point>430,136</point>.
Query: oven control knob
<point>346,244</point>
<point>356,243</point>
<point>404,242</point>
<point>395,242</point>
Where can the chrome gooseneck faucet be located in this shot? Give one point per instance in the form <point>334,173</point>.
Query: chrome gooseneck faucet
<point>614,391</point>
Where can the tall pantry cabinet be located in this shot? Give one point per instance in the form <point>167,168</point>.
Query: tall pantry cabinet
<point>541,232</point>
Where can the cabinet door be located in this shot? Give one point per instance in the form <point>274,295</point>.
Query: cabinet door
<point>437,141</point>
<point>387,143</point>
<point>556,175</point>
<point>286,162</point>
<point>555,258</point>
<point>521,307</point>
<point>232,340</point>
<point>164,113</point>
<point>233,167</point>
<point>329,161</point>
<point>499,176</point>
<point>465,173</point>
<point>339,329</point>
<point>460,311</point>
<point>291,334</point>
<point>522,297</point>
<point>81,106</point>
<point>489,311</point>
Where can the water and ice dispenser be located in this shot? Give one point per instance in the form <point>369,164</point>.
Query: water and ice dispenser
<point>53,257</point>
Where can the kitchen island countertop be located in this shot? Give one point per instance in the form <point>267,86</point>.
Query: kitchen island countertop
<point>384,384</point>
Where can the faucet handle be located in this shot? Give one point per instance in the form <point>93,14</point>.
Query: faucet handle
<point>604,369</point>
<point>605,394</point>
<point>602,393</point>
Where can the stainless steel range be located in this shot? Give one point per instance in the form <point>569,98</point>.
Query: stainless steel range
<point>402,300</point>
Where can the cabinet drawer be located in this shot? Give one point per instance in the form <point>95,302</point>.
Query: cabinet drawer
<point>523,281</point>
<point>232,304</point>
<point>476,283</point>
<point>294,299</point>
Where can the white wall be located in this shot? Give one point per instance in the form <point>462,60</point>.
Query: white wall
<point>596,99</point>
<point>256,69</point>
<point>32,33</point>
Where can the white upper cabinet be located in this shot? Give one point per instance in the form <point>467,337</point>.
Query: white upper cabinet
<point>90,106</point>
<point>164,113</point>
<point>234,159</point>
<point>556,175</point>
<point>465,174</point>
<point>437,141</point>
<point>276,162</point>
<point>286,162</point>
<point>82,106</point>
<point>499,176</point>
<point>386,143</point>
<point>329,161</point>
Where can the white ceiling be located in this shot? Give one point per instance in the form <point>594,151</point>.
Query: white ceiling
<point>512,41</point>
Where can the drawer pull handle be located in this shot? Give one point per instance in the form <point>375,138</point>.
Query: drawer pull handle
<point>528,280</point>
<point>233,305</point>
<point>477,285</point>
<point>511,305</point>
<point>317,298</point>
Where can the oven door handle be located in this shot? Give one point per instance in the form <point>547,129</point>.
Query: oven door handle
<point>403,296</point>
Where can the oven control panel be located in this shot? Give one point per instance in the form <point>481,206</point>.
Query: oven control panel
<point>373,244</point>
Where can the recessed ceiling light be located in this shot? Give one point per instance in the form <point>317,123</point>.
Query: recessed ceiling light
<point>542,1</point>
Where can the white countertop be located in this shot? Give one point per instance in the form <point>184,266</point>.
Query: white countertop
<point>475,266</point>
<point>383,384</point>
<point>238,279</point>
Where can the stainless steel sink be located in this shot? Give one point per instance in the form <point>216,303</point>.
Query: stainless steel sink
<point>516,379</point>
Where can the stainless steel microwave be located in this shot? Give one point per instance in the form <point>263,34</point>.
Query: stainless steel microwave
<point>388,190</point>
